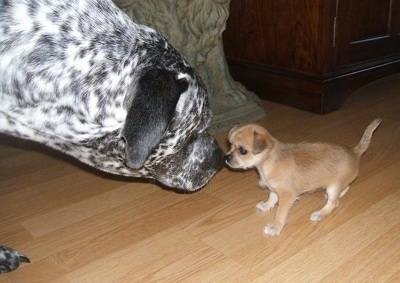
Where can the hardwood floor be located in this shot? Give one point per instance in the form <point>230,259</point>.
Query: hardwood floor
<point>79,225</point>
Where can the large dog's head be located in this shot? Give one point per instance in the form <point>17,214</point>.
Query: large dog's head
<point>165,129</point>
<point>113,94</point>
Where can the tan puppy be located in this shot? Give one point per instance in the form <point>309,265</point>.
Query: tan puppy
<point>289,170</point>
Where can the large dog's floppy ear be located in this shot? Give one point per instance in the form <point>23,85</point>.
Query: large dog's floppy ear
<point>152,109</point>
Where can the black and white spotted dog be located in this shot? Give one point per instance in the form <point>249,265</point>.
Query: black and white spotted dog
<point>81,77</point>
<point>10,259</point>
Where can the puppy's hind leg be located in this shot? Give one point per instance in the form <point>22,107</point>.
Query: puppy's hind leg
<point>333,193</point>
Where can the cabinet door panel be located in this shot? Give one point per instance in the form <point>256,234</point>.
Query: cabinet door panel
<point>368,20</point>
<point>367,29</point>
<point>288,34</point>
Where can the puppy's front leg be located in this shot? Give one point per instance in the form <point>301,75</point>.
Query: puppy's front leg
<point>286,200</point>
<point>269,204</point>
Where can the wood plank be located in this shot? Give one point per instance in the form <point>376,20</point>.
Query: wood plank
<point>339,246</point>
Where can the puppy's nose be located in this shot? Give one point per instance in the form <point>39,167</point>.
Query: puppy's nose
<point>228,157</point>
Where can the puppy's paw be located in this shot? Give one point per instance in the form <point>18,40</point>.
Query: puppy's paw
<point>264,206</point>
<point>262,185</point>
<point>316,216</point>
<point>270,230</point>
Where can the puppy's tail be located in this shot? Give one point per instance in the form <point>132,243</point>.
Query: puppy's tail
<point>362,146</point>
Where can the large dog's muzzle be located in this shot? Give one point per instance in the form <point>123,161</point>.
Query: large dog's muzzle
<point>193,166</point>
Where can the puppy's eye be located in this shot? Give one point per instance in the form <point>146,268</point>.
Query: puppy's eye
<point>242,151</point>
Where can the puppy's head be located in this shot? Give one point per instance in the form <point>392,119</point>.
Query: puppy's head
<point>250,146</point>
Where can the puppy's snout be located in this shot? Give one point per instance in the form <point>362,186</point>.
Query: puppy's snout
<point>228,157</point>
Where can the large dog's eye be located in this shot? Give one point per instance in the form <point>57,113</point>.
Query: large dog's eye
<point>242,151</point>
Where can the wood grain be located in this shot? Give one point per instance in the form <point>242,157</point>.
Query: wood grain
<point>80,225</point>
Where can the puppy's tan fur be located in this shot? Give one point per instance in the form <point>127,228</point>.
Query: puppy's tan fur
<point>289,170</point>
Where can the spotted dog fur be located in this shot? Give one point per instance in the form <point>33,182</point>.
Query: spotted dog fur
<point>81,77</point>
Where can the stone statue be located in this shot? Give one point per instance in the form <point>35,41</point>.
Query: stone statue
<point>195,27</point>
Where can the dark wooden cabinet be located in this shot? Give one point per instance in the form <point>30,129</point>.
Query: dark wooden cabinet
<point>312,54</point>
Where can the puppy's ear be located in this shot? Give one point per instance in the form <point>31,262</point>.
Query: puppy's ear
<point>232,130</point>
<point>261,142</point>
<point>150,112</point>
